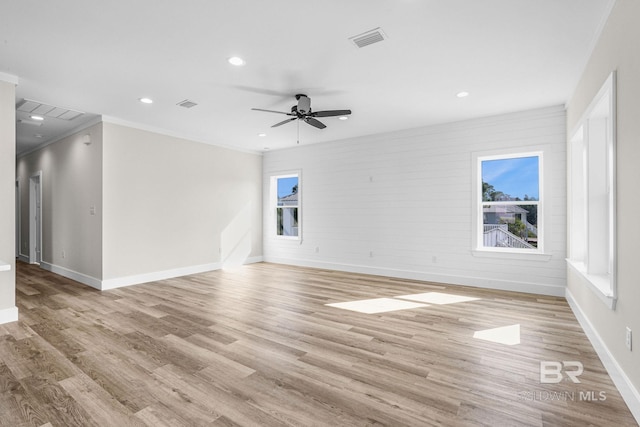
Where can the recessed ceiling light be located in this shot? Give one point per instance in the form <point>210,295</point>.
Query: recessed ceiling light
<point>39,135</point>
<point>39,118</point>
<point>262,134</point>
<point>462,94</point>
<point>146,100</point>
<point>236,60</point>
<point>343,118</point>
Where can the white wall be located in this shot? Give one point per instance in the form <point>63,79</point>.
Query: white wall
<point>173,206</point>
<point>135,206</point>
<point>71,184</point>
<point>401,204</point>
<point>617,49</point>
<point>8,311</point>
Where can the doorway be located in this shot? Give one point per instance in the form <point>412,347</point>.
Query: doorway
<point>18,240</point>
<point>35,218</point>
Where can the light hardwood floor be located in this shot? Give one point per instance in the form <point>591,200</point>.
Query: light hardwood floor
<point>259,347</point>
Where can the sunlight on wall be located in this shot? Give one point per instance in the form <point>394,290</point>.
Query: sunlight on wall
<point>235,239</point>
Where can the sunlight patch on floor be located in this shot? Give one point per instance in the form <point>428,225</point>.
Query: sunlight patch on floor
<point>377,305</point>
<point>438,298</point>
<point>509,335</point>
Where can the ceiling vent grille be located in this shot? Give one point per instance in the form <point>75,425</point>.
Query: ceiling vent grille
<point>370,37</point>
<point>187,104</point>
<point>35,107</point>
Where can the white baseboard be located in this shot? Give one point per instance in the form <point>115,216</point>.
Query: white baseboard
<point>505,285</point>
<point>73,275</point>
<point>23,258</point>
<point>622,382</point>
<point>253,259</point>
<point>157,275</point>
<point>136,279</point>
<point>8,315</point>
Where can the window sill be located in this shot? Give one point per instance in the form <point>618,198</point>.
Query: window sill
<point>600,284</point>
<point>534,256</point>
<point>292,238</point>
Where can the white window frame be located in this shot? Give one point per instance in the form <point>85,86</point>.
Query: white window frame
<point>591,165</point>
<point>478,235</point>
<point>274,204</point>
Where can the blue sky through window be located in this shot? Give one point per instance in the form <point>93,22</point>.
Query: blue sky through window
<point>285,185</point>
<point>516,177</point>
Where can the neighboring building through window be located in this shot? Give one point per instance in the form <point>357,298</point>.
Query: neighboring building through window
<point>287,205</point>
<point>510,203</point>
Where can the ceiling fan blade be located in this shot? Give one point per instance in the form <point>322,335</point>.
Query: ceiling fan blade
<point>284,122</point>
<point>315,123</point>
<point>272,111</point>
<point>330,113</point>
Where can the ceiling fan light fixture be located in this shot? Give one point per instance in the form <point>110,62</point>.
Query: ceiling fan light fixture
<point>146,100</point>
<point>462,94</point>
<point>343,118</point>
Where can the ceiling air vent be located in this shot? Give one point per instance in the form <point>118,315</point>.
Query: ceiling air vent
<point>187,104</point>
<point>370,37</point>
<point>35,107</point>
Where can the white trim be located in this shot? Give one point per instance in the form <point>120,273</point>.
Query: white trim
<point>4,266</point>
<point>599,285</point>
<point>622,382</point>
<point>535,256</point>
<point>24,258</point>
<point>253,260</point>
<point>273,203</point>
<point>477,158</point>
<point>158,275</point>
<point>73,275</point>
<point>161,131</point>
<point>9,78</point>
<point>18,221</point>
<point>604,284</point>
<point>33,231</point>
<point>477,282</point>
<point>119,282</point>
<point>8,315</point>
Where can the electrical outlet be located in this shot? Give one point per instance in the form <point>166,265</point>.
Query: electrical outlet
<point>628,339</point>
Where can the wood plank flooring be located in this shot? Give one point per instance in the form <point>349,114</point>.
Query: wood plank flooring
<point>259,346</point>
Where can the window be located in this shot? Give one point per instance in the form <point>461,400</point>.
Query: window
<point>510,208</point>
<point>591,164</point>
<point>286,189</point>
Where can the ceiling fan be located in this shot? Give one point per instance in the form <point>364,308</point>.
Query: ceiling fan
<point>302,111</point>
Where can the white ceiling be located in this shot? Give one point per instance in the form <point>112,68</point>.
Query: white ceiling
<point>101,57</point>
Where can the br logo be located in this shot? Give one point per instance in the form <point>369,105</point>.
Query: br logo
<point>552,372</point>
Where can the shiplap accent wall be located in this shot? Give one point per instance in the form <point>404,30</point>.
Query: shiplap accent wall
<point>400,204</point>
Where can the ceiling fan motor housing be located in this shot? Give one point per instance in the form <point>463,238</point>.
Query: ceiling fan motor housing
<point>304,104</point>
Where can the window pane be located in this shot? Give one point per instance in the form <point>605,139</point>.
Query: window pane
<point>510,179</point>
<point>288,191</point>
<point>287,224</point>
